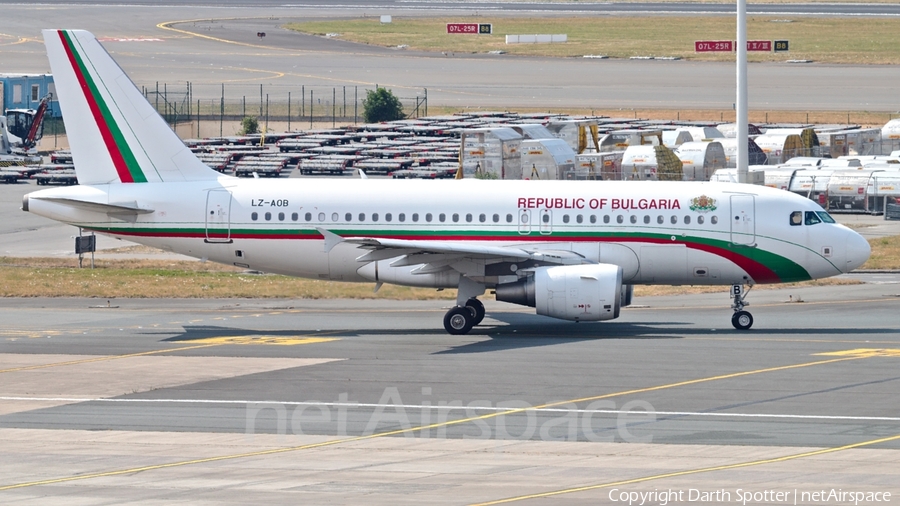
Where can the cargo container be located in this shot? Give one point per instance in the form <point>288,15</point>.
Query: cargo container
<point>700,159</point>
<point>491,152</point>
<point>755,155</point>
<point>651,163</point>
<point>779,148</point>
<point>812,184</point>
<point>545,159</point>
<point>674,138</point>
<point>605,166</point>
<point>807,136</point>
<point>847,190</point>
<point>619,140</point>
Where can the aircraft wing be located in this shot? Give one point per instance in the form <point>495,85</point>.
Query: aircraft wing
<point>440,254</point>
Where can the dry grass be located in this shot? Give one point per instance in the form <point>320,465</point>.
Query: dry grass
<point>139,278</point>
<point>50,277</point>
<point>825,39</point>
<point>885,253</point>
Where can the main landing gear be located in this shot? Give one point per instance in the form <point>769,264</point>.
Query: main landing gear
<point>742,320</point>
<point>460,320</point>
<point>469,311</point>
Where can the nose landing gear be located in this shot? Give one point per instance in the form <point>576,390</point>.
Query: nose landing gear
<point>742,320</point>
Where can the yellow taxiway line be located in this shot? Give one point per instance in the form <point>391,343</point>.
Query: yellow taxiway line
<point>450,423</point>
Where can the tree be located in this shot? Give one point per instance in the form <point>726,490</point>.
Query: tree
<point>249,125</point>
<point>381,105</point>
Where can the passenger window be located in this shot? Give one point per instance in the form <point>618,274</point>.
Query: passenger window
<point>334,217</point>
<point>348,217</point>
<point>254,216</point>
<point>401,217</point>
<point>428,217</point>
<point>687,220</point>
<point>620,219</point>
<point>796,218</point>
<point>509,218</point>
<point>565,218</point>
<point>388,217</point>
<point>294,216</point>
<point>268,216</point>
<point>362,216</point>
<point>714,220</point>
<point>700,220</point>
<point>812,218</point>
<point>468,217</point>
<point>646,219</point>
<point>308,216</point>
<point>442,217</point>
<point>415,217</point>
<point>825,217</point>
<point>674,220</point>
<point>594,218</point>
<point>455,217</point>
<point>496,218</point>
<point>605,218</point>
<point>374,216</point>
<point>633,218</point>
<point>321,216</point>
<point>579,218</point>
<point>280,216</point>
<point>545,218</point>
<point>482,218</point>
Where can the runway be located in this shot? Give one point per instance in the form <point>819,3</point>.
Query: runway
<point>325,400</point>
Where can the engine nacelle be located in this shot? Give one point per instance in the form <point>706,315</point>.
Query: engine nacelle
<point>571,292</point>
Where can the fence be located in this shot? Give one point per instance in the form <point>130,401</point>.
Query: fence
<point>298,107</point>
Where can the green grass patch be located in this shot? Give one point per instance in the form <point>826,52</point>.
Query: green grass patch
<point>833,40</point>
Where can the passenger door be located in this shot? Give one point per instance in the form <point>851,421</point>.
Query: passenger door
<point>218,216</point>
<point>743,219</point>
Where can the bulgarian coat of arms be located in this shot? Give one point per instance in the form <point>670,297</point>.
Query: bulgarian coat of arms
<point>703,204</point>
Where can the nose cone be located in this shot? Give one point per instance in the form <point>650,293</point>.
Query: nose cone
<point>858,250</point>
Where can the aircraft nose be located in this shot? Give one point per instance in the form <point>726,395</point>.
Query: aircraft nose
<point>858,250</point>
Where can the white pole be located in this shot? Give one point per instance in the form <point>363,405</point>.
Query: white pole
<point>742,117</point>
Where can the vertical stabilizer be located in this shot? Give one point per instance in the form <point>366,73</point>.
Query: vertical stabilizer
<point>115,134</point>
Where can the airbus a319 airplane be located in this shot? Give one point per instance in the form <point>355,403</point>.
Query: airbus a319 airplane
<point>571,250</point>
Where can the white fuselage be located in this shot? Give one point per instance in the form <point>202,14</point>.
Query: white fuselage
<point>658,232</point>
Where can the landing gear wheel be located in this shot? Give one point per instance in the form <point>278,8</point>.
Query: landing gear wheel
<point>742,320</point>
<point>477,309</point>
<point>459,321</point>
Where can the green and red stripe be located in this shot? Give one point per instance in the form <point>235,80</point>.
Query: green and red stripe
<point>763,266</point>
<point>120,152</point>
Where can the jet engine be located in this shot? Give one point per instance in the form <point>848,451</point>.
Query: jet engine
<point>590,292</point>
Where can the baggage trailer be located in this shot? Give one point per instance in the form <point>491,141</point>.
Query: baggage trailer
<point>57,177</point>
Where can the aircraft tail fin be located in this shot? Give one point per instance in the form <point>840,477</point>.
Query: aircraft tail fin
<point>115,135</point>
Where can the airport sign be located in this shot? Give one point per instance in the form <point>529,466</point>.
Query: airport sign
<point>480,28</point>
<point>710,46</point>
<point>782,46</point>
<point>759,45</point>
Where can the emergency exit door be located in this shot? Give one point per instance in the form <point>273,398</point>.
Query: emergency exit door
<point>743,219</point>
<point>218,216</point>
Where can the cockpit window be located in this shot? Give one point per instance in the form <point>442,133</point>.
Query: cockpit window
<point>825,217</point>
<point>796,218</point>
<point>812,218</point>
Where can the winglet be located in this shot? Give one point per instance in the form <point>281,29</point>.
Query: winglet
<point>331,239</point>
<point>362,175</point>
